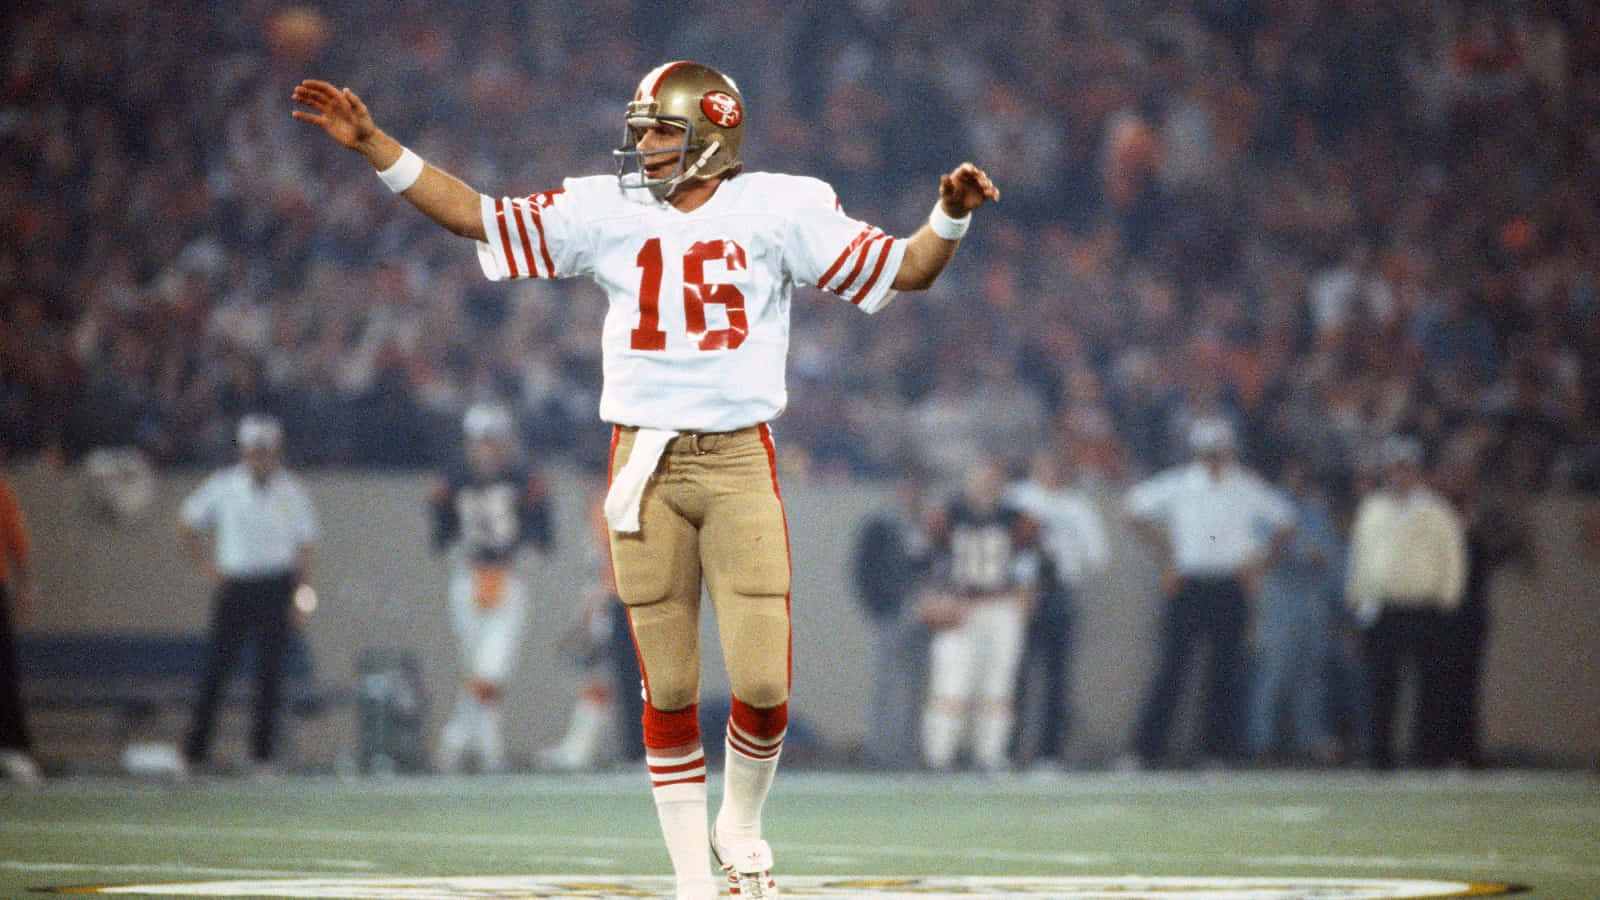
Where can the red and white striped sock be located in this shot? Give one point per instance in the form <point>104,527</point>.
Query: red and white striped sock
<point>677,764</point>
<point>754,741</point>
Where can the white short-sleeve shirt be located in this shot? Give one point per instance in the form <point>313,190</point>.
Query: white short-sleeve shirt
<point>256,529</point>
<point>696,334</point>
<point>1073,533</point>
<point>1216,524</point>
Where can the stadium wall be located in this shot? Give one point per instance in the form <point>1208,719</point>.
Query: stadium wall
<point>380,587</point>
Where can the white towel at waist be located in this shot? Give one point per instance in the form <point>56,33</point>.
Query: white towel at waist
<point>627,487</point>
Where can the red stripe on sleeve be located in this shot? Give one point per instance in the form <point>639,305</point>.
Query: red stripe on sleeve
<point>859,239</point>
<point>534,214</point>
<point>861,262</point>
<point>526,214</point>
<point>505,237</point>
<point>877,270</point>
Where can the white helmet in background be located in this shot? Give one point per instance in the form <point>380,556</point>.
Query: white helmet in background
<point>486,421</point>
<point>259,432</point>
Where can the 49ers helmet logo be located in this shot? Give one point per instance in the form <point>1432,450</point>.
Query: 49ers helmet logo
<point>722,109</point>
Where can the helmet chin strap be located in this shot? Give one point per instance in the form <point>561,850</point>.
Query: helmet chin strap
<point>664,190</point>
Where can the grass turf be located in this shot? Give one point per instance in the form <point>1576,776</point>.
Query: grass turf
<point>1538,829</point>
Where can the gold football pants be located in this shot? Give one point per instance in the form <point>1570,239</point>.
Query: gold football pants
<point>711,514</point>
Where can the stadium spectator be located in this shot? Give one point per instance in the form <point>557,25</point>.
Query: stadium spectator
<point>1497,540</point>
<point>1439,144</point>
<point>1404,581</point>
<point>1295,631</point>
<point>1075,551</point>
<point>889,563</point>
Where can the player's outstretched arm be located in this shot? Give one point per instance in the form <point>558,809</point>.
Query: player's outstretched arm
<point>927,252</point>
<point>439,195</point>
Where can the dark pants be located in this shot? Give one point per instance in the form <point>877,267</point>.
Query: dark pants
<point>13,726</point>
<point>1213,611</point>
<point>244,611</point>
<point>1043,675</point>
<point>1420,637</point>
<point>1460,687</point>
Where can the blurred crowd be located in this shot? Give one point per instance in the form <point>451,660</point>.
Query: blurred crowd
<point>1325,221</point>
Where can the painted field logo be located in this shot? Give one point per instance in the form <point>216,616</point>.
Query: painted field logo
<point>1127,887</point>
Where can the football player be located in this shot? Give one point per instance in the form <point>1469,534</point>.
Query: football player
<point>698,259</point>
<point>986,570</point>
<point>488,515</point>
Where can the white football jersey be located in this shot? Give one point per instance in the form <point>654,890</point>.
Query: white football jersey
<point>697,332</point>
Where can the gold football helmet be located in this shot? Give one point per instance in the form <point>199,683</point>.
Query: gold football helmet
<point>705,103</point>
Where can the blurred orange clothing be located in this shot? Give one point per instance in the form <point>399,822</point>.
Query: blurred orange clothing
<point>14,545</point>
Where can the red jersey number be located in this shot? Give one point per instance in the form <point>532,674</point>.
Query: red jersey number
<point>697,293</point>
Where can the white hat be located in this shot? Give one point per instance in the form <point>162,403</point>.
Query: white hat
<point>486,420</point>
<point>1210,434</point>
<point>259,432</point>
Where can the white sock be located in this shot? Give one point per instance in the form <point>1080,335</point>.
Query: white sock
<point>992,737</point>
<point>746,781</point>
<point>941,734</point>
<point>681,809</point>
<point>457,732</point>
<point>491,752</point>
<point>591,720</point>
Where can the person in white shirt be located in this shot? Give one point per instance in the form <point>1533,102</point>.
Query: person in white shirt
<point>1075,549</point>
<point>251,529</point>
<point>698,260</point>
<point>1214,524</point>
<point>1406,574</point>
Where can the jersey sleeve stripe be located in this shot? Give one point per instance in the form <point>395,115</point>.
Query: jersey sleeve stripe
<point>861,257</point>
<point>526,216</point>
<point>877,270</point>
<point>531,214</point>
<point>861,238</point>
<point>505,237</point>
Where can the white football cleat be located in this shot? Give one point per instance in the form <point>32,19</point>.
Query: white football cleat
<point>748,867</point>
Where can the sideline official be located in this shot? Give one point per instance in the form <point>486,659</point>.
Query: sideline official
<point>250,529</point>
<point>1215,524</point>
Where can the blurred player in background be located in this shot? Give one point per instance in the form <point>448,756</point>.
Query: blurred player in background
<point>698,259</point>
<point>599,645</point>
<point>489,514</point>
<point>985,575</point>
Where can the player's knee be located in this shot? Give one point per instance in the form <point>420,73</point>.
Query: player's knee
<point>762,686</point>
<point>763,690</point>
<point>669,694</point>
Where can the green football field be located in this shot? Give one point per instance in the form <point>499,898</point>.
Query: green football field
<point>1082,835</point>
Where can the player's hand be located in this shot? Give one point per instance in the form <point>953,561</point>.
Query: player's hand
<point>965,189</point>
<point>338,111</point>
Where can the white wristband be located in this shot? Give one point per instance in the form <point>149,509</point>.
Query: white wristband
<point>404,173</point>
<point>946,227</point>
